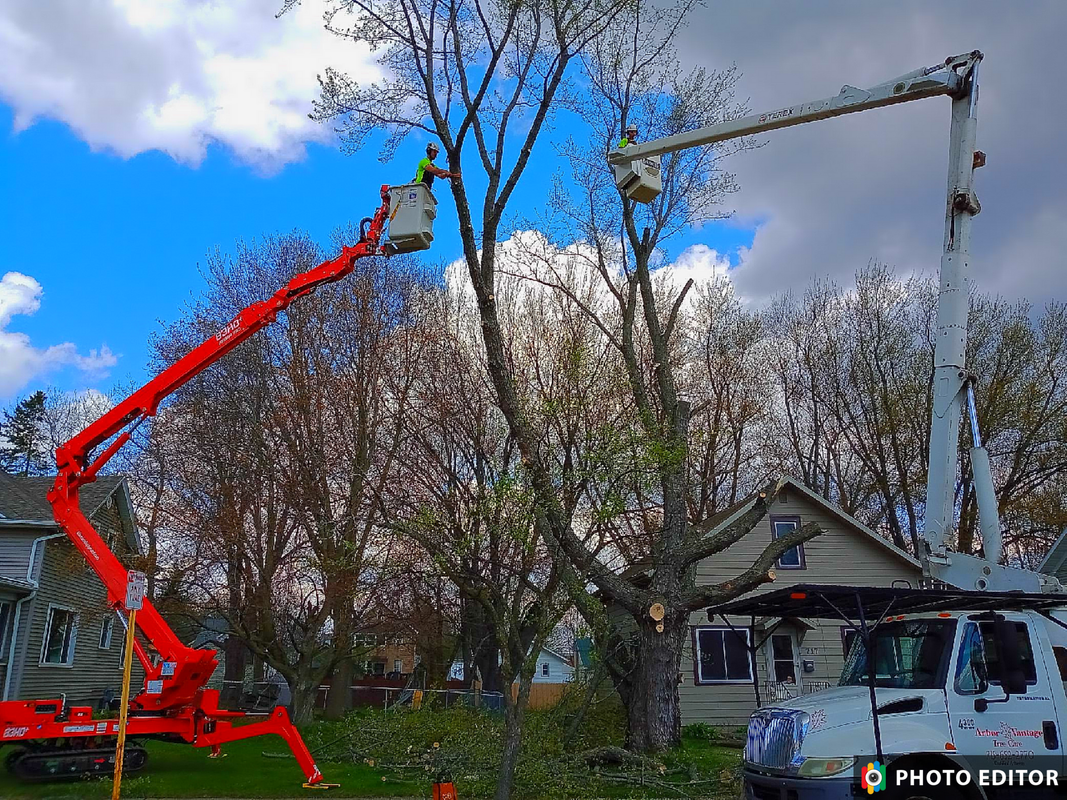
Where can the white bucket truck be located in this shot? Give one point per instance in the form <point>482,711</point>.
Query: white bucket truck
<point>966,697</point>
<point>965,675</point>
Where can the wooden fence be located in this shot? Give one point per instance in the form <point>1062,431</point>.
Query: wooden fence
<point>542,695</point>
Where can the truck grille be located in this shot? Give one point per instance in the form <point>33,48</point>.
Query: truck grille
<point>774,737</point>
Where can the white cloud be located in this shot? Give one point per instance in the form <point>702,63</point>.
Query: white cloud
<point>174,75</point>
<point>20,361</point>
<point>699,263</point>
<point>528,265</point>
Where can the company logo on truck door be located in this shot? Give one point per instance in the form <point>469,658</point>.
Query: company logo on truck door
<point>14,733</point>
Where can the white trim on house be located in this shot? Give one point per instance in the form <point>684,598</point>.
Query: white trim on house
<point>5,625</point>
<point>72,642</point>
<point>106,624</point>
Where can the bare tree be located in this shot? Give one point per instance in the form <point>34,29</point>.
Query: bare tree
<point>634,75</point>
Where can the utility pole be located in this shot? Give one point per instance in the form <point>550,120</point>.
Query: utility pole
<point>135,592</point>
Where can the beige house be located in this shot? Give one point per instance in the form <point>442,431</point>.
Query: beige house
<point>793,656</point>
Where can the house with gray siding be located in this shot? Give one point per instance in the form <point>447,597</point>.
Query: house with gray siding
<point>793,656</point>
<point>57,635</point>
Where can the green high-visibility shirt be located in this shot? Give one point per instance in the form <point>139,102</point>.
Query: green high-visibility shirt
<point>421,175</point>
<point>624,142</point>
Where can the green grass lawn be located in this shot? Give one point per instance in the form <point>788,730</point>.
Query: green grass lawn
<point>182,771</point>
<point>175,770</point>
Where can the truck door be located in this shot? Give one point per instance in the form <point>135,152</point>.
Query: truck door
<point>1015,732</point>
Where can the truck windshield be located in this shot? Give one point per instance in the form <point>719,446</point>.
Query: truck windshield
<point>910,654</point>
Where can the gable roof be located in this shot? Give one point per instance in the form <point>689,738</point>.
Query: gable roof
<point>851,521</point>
<point>24,502</point>
<point>1056,557</point>
<point>639,570</point>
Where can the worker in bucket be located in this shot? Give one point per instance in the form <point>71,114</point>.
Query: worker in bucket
<point>427,170</point>
<point>630,136</point>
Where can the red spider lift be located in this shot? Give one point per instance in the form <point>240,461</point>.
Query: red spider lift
<point>173,705</point>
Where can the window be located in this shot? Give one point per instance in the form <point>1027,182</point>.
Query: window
<point>544,670</point>
<point>910,654</point>
<point>977,665</point>
<point>398,665</point>
<point>5,620</point>
<point>785,668</point>
<point>379,668</point>
<point>722,656</point>
<point>61,635</point>
<point>783,526</point>
<point>106,626</point>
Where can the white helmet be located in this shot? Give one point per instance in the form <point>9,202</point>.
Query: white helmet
<point>432,148</point>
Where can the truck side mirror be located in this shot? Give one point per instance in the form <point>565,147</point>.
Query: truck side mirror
<point>1006,638</point>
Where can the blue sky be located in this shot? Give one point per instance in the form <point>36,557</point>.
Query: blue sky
<point>137,135</point>
<point>116,242</point>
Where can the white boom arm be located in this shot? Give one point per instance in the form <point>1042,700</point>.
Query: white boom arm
<point>637,174</point>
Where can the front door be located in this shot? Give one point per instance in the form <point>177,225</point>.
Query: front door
<point>1023,732</point>
<point>783,665</point>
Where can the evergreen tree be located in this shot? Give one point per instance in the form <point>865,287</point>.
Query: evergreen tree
<point>22,438</point>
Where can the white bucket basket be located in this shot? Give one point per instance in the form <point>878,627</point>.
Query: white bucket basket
<point>413,210</point>
<point>640,179</point>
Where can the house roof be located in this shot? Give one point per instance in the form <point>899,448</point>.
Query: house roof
<point>728,515</point>
<point>24,502</point>
<point>15,584</point>
<point>1053,562</point>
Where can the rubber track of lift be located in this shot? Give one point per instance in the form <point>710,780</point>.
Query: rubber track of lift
<point>37,766</point>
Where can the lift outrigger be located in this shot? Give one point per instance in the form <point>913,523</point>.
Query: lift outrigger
<point>174,704</point>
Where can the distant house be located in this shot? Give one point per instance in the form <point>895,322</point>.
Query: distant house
<point>552,667</point>
<point>794,656</point>
<point>57,636</point>
<point>386,651</point>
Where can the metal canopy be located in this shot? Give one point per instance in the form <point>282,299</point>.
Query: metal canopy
<point>818,601</point>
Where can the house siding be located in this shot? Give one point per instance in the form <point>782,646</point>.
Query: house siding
<point>841,555</point>
<point>67,581</point>
<point>15,546</point>
<point>559,671</point>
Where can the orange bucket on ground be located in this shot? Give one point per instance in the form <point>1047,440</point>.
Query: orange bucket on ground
<point>444,791</point>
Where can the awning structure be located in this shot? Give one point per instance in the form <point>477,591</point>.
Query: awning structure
<point>818,601</point>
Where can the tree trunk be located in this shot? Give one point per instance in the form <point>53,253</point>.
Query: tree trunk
<point>233,675</point>
<point>514,714</point>
<point>654,718</point>
<point>339,698</point>
<point>302,705</point>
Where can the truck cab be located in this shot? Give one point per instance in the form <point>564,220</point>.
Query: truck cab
<point>973,686</point>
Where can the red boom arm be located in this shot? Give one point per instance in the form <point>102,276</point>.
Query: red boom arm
<point>183,706</point>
